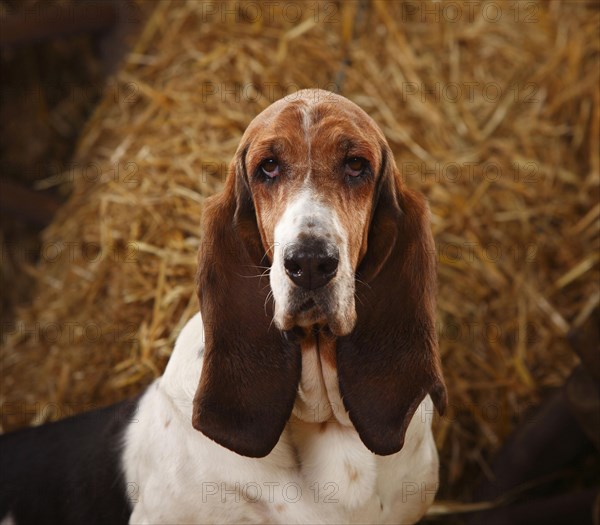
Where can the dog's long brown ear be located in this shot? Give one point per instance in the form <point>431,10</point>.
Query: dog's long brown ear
<point>250,373</point>
<point>390,361</point>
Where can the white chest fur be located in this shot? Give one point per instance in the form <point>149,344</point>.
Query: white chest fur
<point>319,472</point>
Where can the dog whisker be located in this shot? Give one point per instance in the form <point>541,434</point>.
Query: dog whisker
<point>269,295</point>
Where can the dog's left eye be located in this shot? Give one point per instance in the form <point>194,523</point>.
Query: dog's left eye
<point>355,166</point>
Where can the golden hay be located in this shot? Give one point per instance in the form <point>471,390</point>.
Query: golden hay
<point>492,112</point>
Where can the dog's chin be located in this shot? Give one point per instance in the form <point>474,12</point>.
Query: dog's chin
<point>309,315</point>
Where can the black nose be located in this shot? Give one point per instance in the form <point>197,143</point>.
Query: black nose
<point>311,265</point>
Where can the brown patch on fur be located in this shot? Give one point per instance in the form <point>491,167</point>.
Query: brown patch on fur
<point>308,342</point>
<point>167,423</point>
<point>352,472</point>
<point>279,507</point>
<point>327,349</point>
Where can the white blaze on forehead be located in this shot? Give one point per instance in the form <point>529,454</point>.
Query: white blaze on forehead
<point>306,121</point>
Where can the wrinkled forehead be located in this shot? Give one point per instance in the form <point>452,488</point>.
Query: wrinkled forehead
<point>316,121</point>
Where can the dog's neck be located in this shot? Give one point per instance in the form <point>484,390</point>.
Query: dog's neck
<point>318,399</point>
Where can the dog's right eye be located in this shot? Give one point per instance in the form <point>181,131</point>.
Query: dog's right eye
<point>270,168</point>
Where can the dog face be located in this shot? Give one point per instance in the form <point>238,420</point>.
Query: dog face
<point>312,167</point>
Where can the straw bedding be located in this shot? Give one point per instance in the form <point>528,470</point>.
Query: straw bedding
<point>495,118</point>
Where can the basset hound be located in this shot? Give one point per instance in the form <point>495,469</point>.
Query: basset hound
<point>304,390</point>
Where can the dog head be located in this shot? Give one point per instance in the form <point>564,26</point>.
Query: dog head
<point>314,201</point>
